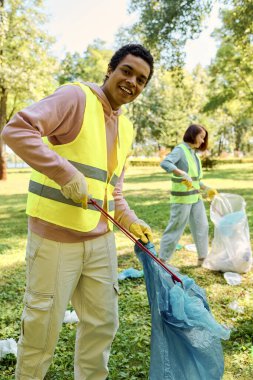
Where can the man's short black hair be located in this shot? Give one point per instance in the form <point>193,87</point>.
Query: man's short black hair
<point>134,49</point>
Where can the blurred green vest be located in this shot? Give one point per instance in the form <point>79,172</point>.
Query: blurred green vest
<point>179,191</point>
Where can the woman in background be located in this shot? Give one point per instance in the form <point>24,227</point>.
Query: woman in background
<point>186,201</point>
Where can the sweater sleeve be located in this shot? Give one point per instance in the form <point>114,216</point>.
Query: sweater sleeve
<point>59,117</point>
<point>170,161</point>
<point>123,214</point>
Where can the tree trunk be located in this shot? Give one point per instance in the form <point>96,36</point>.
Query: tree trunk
<point>238,137</point>
<point>3,103</point>
<point>3,171</point>
<point>219,147</point>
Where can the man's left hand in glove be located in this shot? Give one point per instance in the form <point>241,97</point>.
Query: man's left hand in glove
<point>141,230</point>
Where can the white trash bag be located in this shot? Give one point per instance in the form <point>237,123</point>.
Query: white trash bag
<point>231,250</point>
<point>8,346</point>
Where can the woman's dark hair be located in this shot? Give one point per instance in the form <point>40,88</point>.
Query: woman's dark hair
<point>190,135</point>
<point>134,49</point>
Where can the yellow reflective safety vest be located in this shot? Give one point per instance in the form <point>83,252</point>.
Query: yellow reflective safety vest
<point>88,153</point>
<point>179,191</point>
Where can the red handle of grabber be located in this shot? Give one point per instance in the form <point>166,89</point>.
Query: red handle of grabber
<point>131,237</point>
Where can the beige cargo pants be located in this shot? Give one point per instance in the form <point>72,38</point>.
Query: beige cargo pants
<point>86,274</point>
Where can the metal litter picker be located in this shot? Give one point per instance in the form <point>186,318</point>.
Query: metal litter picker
<point>137,242</point>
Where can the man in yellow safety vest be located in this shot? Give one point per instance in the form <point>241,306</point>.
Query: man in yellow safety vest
<point>77,141</point>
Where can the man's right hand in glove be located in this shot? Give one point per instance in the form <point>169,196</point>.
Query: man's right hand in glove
<point>76,189</point>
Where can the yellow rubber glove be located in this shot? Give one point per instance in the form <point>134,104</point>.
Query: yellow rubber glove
<point>186,180</point>
<point>211,193</point>
<point>76,189</point>
<point>188,184</point>
<point>141,230</point>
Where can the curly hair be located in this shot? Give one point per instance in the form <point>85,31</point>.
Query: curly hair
<point>190,135</point>
<point>136,50</point>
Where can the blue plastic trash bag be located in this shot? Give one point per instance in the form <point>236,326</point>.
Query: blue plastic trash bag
<point>185,338</point>
<point>130,273</point>
<point>229,222</point>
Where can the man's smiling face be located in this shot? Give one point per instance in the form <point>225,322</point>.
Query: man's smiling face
<point>127,81</point>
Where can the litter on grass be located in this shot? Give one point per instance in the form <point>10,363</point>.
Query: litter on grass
<point>191,247</point>
<point>70,317</point>
<point>233,278</point>
<point>130,273</point>
<point>8,346</point>
<point>235,306</point>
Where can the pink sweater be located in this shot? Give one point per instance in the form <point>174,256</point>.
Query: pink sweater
<point>60,116</point>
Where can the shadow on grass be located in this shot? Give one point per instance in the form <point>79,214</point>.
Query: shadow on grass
<point>229,174</point>
<point>130,260</point>
<point>12,284</point>
<point>143,178</point>
<point>222,173</point>
<point>13,219</point>
<point>4,248</point>
<point>14,200</point>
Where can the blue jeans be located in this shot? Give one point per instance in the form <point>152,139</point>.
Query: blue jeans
<point>180,215</point>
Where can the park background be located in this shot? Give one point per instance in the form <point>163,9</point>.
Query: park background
<point>216,92</point>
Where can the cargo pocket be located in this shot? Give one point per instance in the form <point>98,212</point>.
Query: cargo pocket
<point>36,319</point>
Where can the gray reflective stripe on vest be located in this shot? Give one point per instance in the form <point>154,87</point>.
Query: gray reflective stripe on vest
<point>90,171</point>
<point>95,173</point>
<point>179,180</point>
<point>184,193</point>
<point>114,180</point>
<point>111,205</point>
<point>56,195</point>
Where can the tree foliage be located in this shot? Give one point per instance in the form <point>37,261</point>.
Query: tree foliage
<point>238,21</point>
<point>167,107</point>
<point>26,67</point>
<point>91,66</point>
<point>165,25</point>
<point>231,85</point>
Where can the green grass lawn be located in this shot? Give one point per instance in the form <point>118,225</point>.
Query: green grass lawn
<point>146,190</point>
